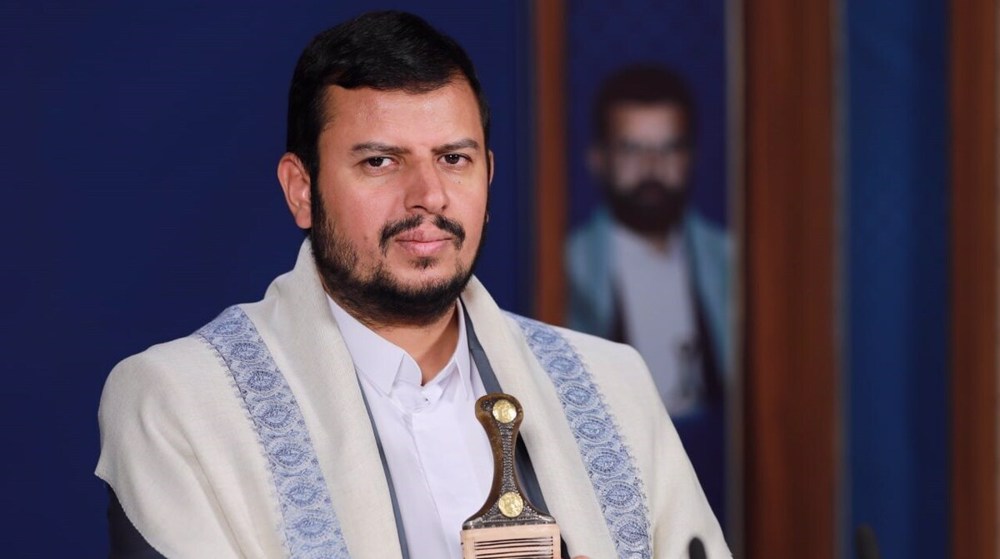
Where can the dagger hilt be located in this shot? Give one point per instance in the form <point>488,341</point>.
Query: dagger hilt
<point>506,505</point>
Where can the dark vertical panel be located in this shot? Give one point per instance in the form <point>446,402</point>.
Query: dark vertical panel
<point>789,211</point>
<point>550,173</point>
<point>897,290</point>
<point>975,334</point>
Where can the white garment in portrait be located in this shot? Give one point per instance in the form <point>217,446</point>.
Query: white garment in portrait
<point>655,294</point>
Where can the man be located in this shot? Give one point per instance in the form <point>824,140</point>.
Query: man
<point>334,418</point>
<point>646,269</point>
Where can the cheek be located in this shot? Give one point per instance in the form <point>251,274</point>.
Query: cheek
<point>347,229</point>
<point>360,218</point>
<point>675,170</point>
<point>625,176</point>
<point>473,218</point>
<point>368,228</point>
<point>625,171</point>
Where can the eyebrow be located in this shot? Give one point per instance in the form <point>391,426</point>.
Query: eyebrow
<point>465,143</point>
<point>387,149</point>
<point>377,147</point>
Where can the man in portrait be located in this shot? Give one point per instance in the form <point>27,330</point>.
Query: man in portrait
<point>647,269</point>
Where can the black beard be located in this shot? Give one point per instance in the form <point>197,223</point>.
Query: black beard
<point>651,207</point>
<point>379,300</point>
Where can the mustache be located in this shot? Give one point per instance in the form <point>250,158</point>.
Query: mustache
<point>443,223</point>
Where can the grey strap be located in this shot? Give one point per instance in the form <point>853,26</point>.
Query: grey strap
<point>400,530</point>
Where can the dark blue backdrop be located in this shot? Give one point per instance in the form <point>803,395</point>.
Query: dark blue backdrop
<point>139,149</point>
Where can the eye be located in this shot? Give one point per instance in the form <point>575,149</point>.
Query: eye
<point>376,162</point>
<point>628,149</point>
<point>454,158</point>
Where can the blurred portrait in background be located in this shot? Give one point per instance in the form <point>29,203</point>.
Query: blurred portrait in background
<point>646,268</point>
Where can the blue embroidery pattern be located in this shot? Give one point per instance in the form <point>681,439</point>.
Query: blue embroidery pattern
<point>310,525</point>
<point>609,463</point>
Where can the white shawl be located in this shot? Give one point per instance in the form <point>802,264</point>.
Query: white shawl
<point>180,449</point>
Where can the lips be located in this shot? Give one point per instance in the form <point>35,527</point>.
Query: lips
<point>424,242</point>
<point>423,235</point>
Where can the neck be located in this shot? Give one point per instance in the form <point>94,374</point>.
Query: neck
<point>430,343</point>
<point>661,241</point>
<point>658,241</point>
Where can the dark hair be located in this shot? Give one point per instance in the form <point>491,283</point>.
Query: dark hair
<point>645,84</point>
<point>382,50</point>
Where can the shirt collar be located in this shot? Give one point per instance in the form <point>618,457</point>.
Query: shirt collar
<point>626,239</point>
<point>381,361</point>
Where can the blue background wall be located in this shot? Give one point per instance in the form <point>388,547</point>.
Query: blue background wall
<point>139,148</point>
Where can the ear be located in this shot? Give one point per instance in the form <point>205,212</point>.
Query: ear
<point>296,184</point>
<point>489,154</point>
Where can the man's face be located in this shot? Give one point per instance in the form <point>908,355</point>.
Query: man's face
<point>645,164</point>
<point>399,210</point>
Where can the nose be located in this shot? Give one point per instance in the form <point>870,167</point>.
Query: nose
<point>425,190</point>
<point>653,157</point>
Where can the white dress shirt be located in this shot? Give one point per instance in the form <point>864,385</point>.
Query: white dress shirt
<point>656,298</point>
<point>436,450</point>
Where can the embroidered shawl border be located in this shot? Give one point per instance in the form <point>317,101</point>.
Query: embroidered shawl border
<point>609,463</point>
<point>310,526</point>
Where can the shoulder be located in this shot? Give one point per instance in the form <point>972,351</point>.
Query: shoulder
<point>592,234</point>
<point>617,370</point>
<point>165,386</point>
<point>615,388</point>
<point>158,369</point>
<point>537,332</point>
<point>153,399</point>
<point>173,430</point>
<point>707,237</point>
<point>602,384</point>
<point>595,226</point>
<point>604,355</point>
<point>183,362</point>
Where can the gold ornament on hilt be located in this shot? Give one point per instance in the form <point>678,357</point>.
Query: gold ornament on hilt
<point>508,525</point>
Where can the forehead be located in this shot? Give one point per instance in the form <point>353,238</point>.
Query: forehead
<point>399,116</point>
<point>647,120</point>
